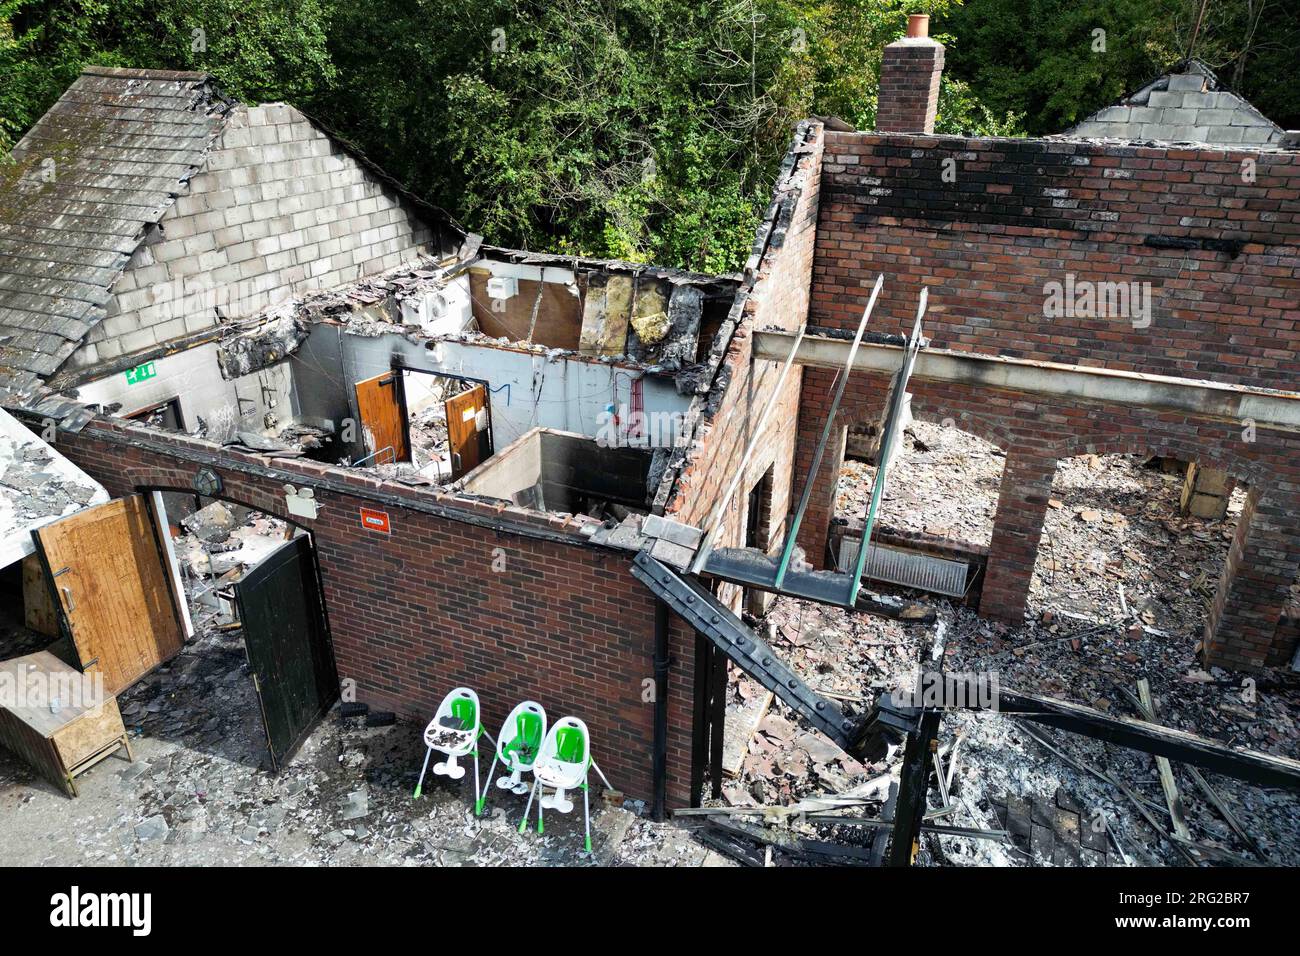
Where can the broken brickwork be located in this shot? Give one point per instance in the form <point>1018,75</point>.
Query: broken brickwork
<point>776,296</point>
<point>420,610</point>
<point>1223,261</point>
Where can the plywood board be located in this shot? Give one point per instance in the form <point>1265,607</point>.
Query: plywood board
<point>39,612</point>
<point>112,590</point>
<point>379,405</point>
<point>559,316</point>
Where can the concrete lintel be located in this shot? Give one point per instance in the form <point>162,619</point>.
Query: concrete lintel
<point>1266,408</point>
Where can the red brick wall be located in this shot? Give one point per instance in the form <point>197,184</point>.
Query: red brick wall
<point>777,296</point>
<point>420,611</point>
<point>1013,215</point>
<point>1021,213</point>
<point>909,86</point>
<point>1036,432</point>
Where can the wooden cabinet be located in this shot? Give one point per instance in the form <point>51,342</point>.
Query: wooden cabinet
<point>63,742</point>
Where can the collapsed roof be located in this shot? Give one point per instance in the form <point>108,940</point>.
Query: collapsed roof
<point>37,485</point>
<point>101,166</point>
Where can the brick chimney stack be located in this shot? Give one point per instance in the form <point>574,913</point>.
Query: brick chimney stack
<point>909,81</point>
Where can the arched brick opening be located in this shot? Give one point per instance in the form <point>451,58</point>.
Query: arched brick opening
<point>1263,559</point>
<point>1036,432</point>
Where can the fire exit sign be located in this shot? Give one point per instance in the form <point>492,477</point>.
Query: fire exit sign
<point>140,373</point>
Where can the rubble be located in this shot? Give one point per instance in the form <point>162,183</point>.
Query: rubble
<point>1099,627</point>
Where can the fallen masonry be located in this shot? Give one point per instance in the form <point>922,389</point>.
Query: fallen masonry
<point>844,558</point>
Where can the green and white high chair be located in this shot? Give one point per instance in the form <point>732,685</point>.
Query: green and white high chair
<point>454,731</point>
<point>518,745</point>
<point>562,765</point>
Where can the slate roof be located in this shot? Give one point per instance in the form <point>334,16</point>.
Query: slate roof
<point>88,180</point>
<point>1189,105</point>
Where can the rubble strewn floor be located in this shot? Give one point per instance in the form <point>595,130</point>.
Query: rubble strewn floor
<point>944,482</point>
<point>1114,522</point>
<point>200,792</point>
<point>197,793</point>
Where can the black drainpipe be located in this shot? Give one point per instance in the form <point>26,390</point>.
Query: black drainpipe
<point>659,808</point>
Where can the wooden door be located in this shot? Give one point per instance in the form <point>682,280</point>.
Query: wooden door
<point>383,422</point>
<point>287,640</point>
<point>468,445</point>
<point>113,589</point>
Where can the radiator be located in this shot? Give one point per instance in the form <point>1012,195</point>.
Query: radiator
<point>910,569</point>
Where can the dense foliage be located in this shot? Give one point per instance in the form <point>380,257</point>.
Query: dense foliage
<point>642,129</point>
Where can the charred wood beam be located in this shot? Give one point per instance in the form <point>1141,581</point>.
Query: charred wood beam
<point>962,693</point>
<point>913,784</point>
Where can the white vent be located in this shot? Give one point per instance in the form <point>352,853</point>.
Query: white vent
<point>502,287</point>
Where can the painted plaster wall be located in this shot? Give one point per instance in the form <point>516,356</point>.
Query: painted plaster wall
<point>194,377</point>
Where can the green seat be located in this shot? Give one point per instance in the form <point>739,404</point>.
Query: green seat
<point>463,709</point>
<point>570,746</point>
<point>527,739</point>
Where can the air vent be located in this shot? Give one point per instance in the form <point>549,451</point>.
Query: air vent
<point>909,569</point>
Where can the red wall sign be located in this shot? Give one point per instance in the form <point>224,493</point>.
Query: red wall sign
<point>373,520</point>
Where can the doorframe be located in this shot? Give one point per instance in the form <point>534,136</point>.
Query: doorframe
<point>174,401</point>
<point>320,577</point>
<point>399,364</point>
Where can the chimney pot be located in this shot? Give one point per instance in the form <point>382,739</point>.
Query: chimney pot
<point>918,25</point>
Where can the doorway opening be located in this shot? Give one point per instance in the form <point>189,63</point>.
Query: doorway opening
<point>434,426</point>
<point>257,671</point>
<point>1115,547</point>
<point>166,415</point>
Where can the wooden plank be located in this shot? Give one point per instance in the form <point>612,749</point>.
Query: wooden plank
<point>379,406</point>
<point>112,590</point>
<point>1166,771</point>
<point>740,730</point>
<point>463,432</point>
<point>40,614</point>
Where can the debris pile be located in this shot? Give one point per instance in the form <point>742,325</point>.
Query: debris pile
<point>220,542</point>
<point>1022,794</point>
<point>34,489</point>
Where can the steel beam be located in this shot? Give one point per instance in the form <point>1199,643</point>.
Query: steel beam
<point>793,532</point>
<point>1266,408</point>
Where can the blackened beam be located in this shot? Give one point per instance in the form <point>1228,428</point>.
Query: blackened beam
<point>1266,408</point>
<point>961,693</point>
<point>698,607</point>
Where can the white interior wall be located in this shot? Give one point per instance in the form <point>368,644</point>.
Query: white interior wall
<point>529,389</point>
<point>193,376</point>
